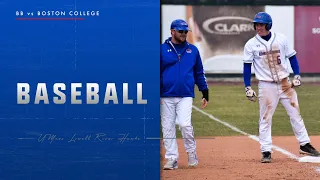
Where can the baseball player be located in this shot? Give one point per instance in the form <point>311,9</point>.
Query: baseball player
<point>181,69</point>
<point>269,52</point>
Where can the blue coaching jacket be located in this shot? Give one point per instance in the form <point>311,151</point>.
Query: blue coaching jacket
<point>180,74</point>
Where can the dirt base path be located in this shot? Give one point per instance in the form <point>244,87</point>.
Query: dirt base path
<point>238,158</point>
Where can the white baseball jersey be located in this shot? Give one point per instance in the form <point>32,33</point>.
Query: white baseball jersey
<point>269,58</point>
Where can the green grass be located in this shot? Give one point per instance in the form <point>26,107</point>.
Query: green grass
<point>229,104</point>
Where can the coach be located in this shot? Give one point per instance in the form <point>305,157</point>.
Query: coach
<point>181,69</point>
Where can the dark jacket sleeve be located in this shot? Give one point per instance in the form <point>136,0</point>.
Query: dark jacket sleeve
<point>199,76</point>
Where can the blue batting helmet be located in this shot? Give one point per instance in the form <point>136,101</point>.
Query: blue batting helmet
<point>180,24</point>
<point>263,18</point>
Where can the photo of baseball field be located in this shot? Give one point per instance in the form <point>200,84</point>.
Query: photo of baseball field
<point>226,131</point>
<point>227,142</point>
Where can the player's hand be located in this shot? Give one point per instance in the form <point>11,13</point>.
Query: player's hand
<point>296,82</point>
<point>251,95</point>
<point>204,103</point>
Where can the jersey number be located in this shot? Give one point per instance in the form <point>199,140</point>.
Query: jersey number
<point>278,59</point>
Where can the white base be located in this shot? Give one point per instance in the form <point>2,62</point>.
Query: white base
<point>309,159</point>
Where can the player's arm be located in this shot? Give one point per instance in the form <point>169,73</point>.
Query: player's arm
<point>296,70</point>
<point>294,65</point>
<point>200,79</point>
<point>247,74</point>
<point>247,64</point>
<point>291,55</point>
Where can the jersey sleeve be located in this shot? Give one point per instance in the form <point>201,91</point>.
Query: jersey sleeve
<point>289,51</point>
<point>247,53</point>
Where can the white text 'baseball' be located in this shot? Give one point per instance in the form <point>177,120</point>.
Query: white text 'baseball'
<point>92,95</point>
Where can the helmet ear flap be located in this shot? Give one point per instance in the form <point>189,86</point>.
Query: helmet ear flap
<point>268,26</point>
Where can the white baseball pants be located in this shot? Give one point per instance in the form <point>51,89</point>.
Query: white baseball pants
<point>177,110</point>
<point>269,96</point>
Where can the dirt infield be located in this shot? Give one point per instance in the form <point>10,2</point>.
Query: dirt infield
<point>237,158</point>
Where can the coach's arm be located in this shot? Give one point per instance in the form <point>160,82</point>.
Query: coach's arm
<point>200,79</point>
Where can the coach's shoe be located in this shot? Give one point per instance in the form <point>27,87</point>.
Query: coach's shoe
<point>192,159</point>
<point>266,157</point>
<point>308,149</point>
<point>171,164</point>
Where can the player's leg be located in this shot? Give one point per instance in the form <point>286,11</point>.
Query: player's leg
<point>289,100</point>
<point>268,101</point>
<point>168,117</point>
<point>184,111</point>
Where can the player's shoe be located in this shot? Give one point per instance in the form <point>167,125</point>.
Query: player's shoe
<point>308,149</point>
<point>192,159</point>
<point>171,164</point>
<point>266,157</point>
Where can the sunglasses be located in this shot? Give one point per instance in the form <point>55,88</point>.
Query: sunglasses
<point>182,31</point>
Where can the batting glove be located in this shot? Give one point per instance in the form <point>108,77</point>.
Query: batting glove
<point>296,82</point>
<point>251,95</point>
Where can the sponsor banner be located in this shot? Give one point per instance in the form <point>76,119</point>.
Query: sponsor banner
<point>307,37</point>
<point>221,32</point>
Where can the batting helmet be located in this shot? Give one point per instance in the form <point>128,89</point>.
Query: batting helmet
<point>263,18</point>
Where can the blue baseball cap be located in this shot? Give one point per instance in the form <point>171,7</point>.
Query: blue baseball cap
<point>180,24</point>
